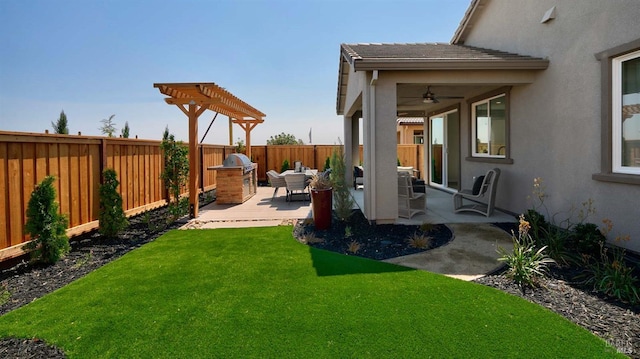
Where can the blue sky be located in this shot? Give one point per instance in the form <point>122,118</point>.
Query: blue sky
<point>98,58</point>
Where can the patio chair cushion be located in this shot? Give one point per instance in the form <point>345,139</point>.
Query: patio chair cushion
<point>477,185</point>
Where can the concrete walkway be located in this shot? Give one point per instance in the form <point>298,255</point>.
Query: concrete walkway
<point>471,254</point>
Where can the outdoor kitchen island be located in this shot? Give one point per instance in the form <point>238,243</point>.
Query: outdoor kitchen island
<point>236,179</point>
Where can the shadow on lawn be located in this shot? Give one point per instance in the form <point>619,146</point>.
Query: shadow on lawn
<point>329,263</point>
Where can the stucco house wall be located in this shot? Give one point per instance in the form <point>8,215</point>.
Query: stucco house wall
<point>556,120</point>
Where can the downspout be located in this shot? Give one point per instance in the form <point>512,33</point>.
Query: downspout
<point>372,164</point>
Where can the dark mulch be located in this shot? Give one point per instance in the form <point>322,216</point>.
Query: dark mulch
<point>615,322</point>
<point>377,242</point>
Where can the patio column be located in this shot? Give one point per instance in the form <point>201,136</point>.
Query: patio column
<point>351,142</point>
<point>380,147</point>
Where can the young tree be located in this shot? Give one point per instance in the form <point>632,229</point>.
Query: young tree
<point>111,219</point>
<point>284,139</point>
<point>108,126</point>
<point>60,126</point>
<point>45,225</point>
<point>176,171</point>
<point>343,202</point>
<point>125,130</point>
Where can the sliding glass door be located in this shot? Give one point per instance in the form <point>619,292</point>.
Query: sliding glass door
<point>444,150</point>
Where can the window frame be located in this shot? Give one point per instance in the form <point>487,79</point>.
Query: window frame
<point>608,59</point>
<point>473,156</point>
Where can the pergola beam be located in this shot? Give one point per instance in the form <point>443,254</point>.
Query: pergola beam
<point>195,98</point>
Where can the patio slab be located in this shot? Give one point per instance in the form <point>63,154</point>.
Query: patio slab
<point>471,254</point>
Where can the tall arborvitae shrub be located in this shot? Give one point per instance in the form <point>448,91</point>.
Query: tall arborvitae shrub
<point>175,172</point>
<point>342,200</point>
<point>111,218</point>
<point>60,126</point>
<point>45,225</point>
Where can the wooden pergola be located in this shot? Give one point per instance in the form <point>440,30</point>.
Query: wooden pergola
<point>193,99</point>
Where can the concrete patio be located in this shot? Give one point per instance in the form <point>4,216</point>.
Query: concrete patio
<point>471,254</point>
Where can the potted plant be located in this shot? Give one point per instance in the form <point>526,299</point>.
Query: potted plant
<point>321,200</point>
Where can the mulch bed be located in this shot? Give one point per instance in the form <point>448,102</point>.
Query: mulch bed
<point>377,242</point>
<point>616,322</point>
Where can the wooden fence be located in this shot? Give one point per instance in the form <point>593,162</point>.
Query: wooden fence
<point>77,163</point>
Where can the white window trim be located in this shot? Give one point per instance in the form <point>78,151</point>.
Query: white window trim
<point>474,152</point>
<point>616,114</point>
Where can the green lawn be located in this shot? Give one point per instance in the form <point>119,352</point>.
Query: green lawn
<point>256,292</point>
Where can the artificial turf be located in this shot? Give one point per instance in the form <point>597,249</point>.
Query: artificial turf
<point>256,292</point>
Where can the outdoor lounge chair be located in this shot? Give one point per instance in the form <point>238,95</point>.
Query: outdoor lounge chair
<point>296,185</point>
<point>275,181</point>
<point>409,202</point>
<point>483,195</point>
<point>358,177</point>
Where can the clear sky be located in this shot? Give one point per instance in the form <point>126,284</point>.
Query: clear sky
<point>94,59</point>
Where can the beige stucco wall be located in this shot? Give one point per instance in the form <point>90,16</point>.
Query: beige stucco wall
<point>555,121</point>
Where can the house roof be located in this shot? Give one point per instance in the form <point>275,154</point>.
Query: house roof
<point>410,121</point>
<point>426,56</point>
<point>468,21</point>
<point>434,56</point>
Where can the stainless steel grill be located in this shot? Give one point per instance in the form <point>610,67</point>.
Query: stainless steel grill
<point>238,160</point>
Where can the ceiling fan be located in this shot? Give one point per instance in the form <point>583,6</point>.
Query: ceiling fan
<point>430,97</point>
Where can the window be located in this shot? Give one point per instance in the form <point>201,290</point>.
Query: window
<point>625,98</point>
<point>620,114</point>
<point>418,137</point>
<point>489,127</point>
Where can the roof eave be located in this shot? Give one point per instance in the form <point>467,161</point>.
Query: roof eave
<point>467,21</point>
<point>449,64</point>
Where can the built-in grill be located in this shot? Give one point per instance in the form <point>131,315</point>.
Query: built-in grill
<point>238,160</point>
<point>236,179</point>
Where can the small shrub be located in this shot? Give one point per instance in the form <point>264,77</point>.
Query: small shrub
<point>45,225</point>
<point>556,240</point>
<point>427,227</point>
<point>525,264</point>
<point>179,208</point>
<point>84,260</point>
<point>539,226</point>
<point>588,239</point>
<point>111,218</point>
<point>285,166</point>
<point>353,247</point>
<point>4,294</point>
<point>327,164</point>
<point>310,238</point>
<point>613,277</point>
<point>343,202</point>
<point>176,168</point>
<point>347,232</point>
<point>420,241</point>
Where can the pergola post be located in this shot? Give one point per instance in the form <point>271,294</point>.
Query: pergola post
<point>194,163</point>
<point>248,126</point>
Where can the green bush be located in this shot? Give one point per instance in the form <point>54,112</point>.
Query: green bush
<point>285,166</point>
<point>539,226</point>
<point>111,218</point>
<point>342,200</point>
<point>327,164</point>
<point>525,263</point>
<point>176,170</point>
<point>613,277</point>
<point>588,239</point>
<point>45,225</point>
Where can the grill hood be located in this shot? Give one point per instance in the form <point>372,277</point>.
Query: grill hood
<point>238,160</point>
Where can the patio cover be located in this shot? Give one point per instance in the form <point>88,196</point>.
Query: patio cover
<point>195,98</point>
<point>372,77</point>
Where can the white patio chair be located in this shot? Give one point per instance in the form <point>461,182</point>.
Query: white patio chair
<point>483,198</point>
<point>297,185</point>
<point>276,181</point>
<point>409,202</point>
